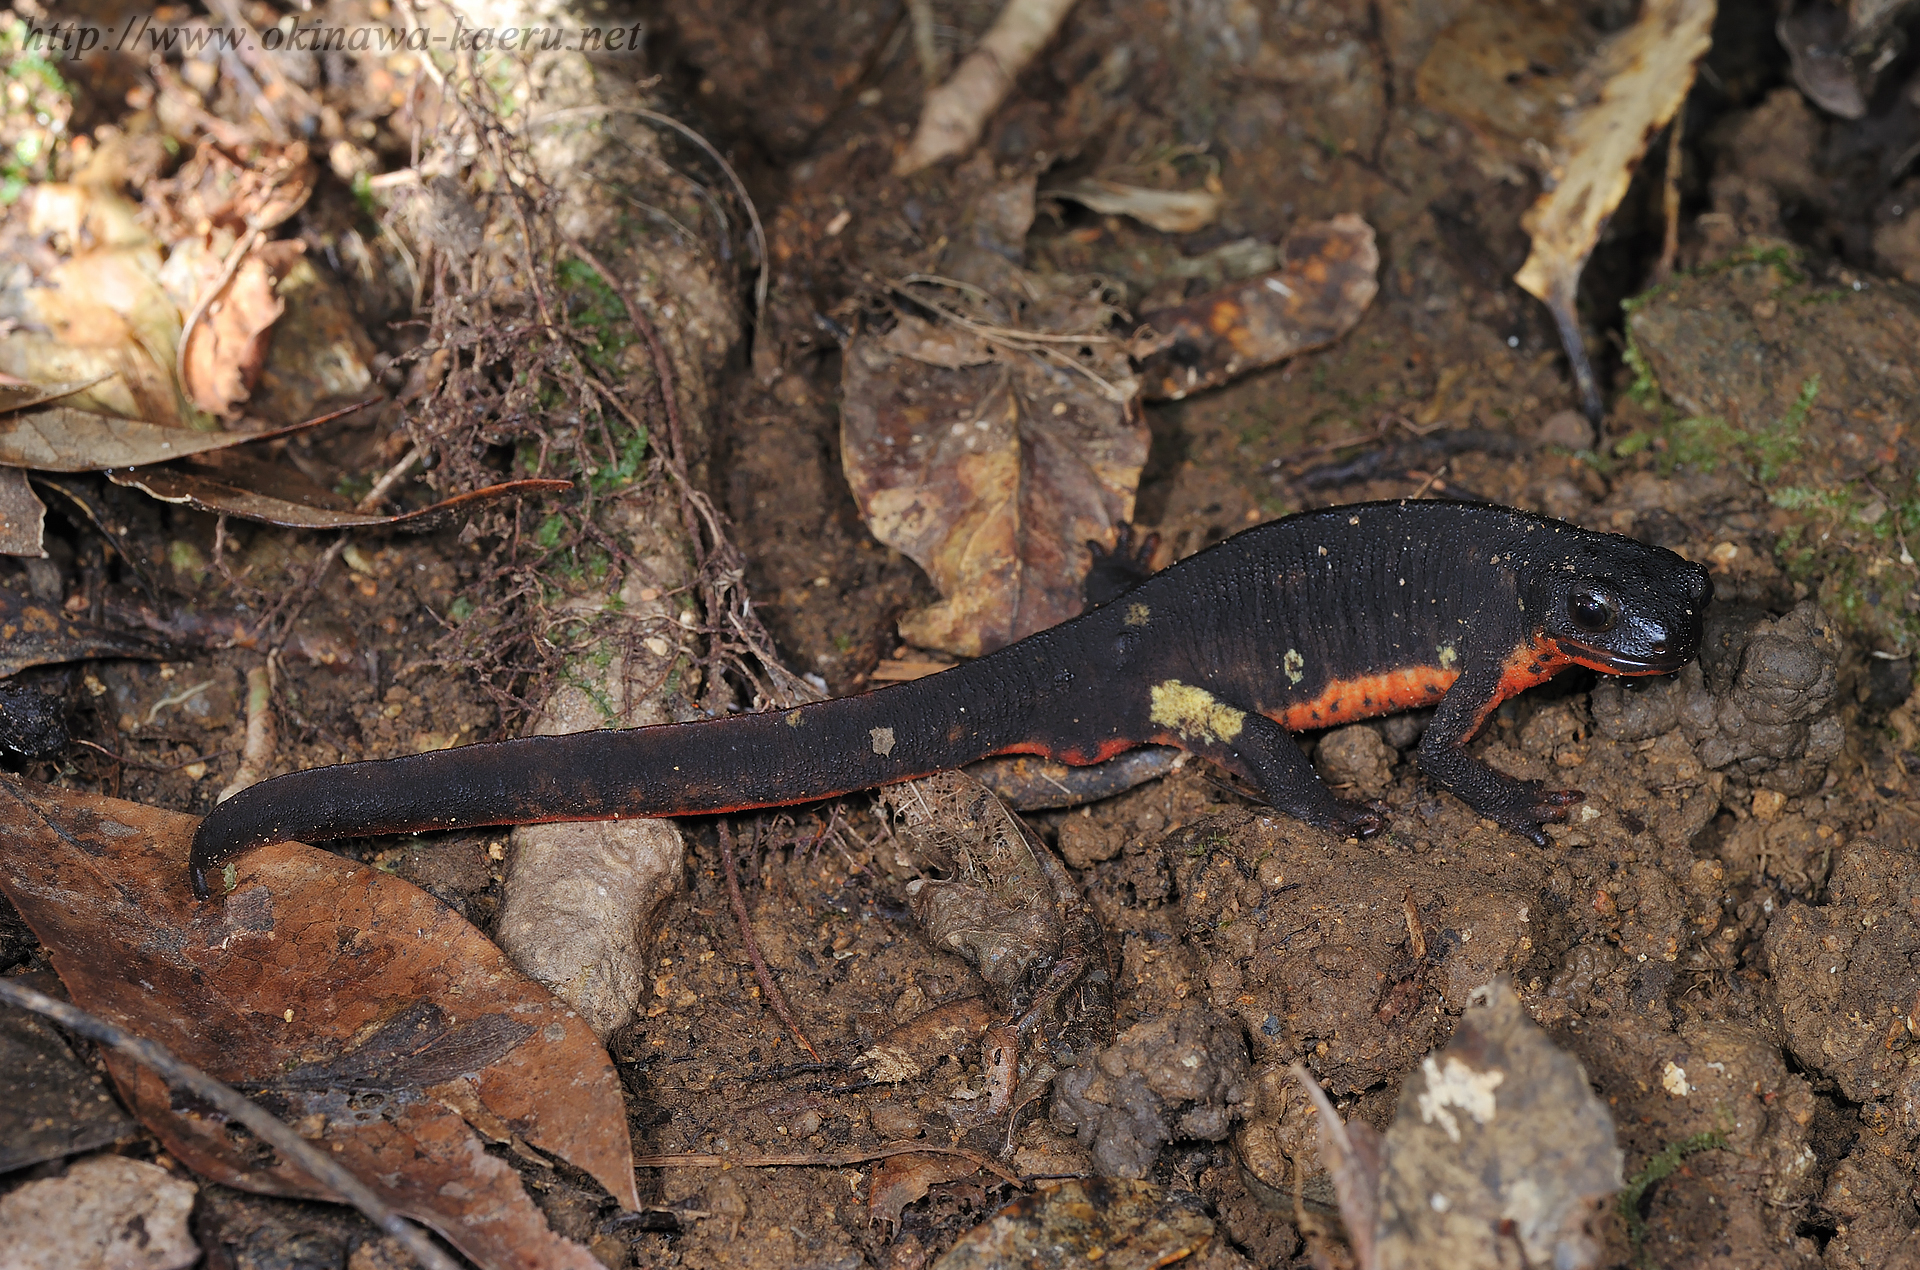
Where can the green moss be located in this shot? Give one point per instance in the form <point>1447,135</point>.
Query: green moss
<point>632,447</point>
<point>1660,1167</point>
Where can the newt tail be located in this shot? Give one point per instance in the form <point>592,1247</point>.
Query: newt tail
<point>1303,623</point>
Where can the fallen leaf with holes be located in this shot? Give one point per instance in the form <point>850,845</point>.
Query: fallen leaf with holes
<point>992,460</point>
<point>36,634</point>
<point>276,494</point>
<point>344,999</point>
<point>1547,94</point>
<point>1329,279</point>
<point>1499,1146</point>
<point>1104,1221</point>
<point>22,515</point>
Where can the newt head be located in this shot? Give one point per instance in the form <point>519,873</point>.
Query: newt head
<point>1621,607</point>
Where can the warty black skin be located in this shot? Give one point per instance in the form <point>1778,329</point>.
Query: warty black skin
<point>1406,603</point>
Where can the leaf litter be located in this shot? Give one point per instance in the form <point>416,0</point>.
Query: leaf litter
<point>346,1000</point>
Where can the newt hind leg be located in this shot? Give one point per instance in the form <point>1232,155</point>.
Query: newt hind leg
<point>1267,753</point>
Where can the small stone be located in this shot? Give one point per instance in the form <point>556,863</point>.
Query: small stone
<point>1768,804</point>
<point>1567,429</point>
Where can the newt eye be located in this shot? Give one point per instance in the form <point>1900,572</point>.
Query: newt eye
<point>1593,611</point>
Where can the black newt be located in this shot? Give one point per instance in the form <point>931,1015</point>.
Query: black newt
<point>1315,620</point>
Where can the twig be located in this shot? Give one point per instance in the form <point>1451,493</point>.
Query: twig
<point>775,997</point>
<point>526,233</point>
<point>1670,202</point>
<point>235,259</point>
<point>158,1059</point>
<point>388,479</point>
<point>823,1159</point>
<point>149,767</point>
<point>257,755</point>
<point>302,594</point>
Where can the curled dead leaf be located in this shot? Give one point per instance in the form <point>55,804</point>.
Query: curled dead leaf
<point>1169,211</point>
<point>1547,94</point>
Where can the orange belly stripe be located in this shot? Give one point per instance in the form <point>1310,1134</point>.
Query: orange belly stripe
<point>1345,700</point>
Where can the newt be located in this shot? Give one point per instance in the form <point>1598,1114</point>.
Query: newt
<point>1299,624</point>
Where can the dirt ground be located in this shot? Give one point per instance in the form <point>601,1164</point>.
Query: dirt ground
<point>1738,901</point>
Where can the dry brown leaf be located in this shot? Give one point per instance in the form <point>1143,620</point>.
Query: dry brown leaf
<point>1503,70</point>
<point>228,347</point>
<point>992,476</point>
<point>23,516</point>
<point>902,1179</point>
<point>347,1000</point>
<point>52,1105</point>
<point>1330,278</point>
<point>237,485</point>
<point>213,189</point>
<point>68,439</point>
<point>36,634</point>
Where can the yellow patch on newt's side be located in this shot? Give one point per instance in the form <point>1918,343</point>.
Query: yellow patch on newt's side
<point>1194,713</point>
<point>882,740</point>
<point>1137,614</point>
<point>1448,657</point>
<point>1295,665</point>
<point>793,718</point>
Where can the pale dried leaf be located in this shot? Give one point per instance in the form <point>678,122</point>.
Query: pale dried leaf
<point>228,348</point>
<point>1632,87</point>
<point>1169,211</point>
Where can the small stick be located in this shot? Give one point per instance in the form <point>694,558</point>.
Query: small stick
<point>1670,203</point>
<point>775,997</point>
<point>158,1059</point>
<point>390,478</point>
<point>257,754</point>
<point>824,1159</point>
